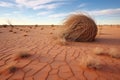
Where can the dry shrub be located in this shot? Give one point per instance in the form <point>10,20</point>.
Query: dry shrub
<point>10,30</point>
<point>11,68</point>
<point>114,52</point>
<point>27,31</point>
<point>53,28</point>
<point>15,32</point>
<point>30,27</point>
<point>58,39</point>
<point>51,33</point>
<point>21,29</point>
<point>4,25</point>
<point>61,42</point>
<point>25,35</point>
<point>42,28</point>
<point>90,61</point>
<point>99,51</point>
<point>79,27</point>
<point>17,28</point>
<point>36,25</point>
<point>22,55</point>
<point>52,25</point>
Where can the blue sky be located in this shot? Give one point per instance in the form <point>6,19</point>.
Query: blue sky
<point>25,12</point>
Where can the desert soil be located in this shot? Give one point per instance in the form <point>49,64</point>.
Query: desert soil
<point>51,60</point>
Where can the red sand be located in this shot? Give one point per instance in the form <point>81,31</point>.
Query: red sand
<point>52,61</point>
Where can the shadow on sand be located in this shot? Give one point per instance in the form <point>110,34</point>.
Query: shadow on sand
<point>97,42</point>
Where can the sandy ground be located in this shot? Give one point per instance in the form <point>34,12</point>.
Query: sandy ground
<point>52,61</point>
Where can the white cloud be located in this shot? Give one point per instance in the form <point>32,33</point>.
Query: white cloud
<point>104,12</point>
<point>16,12</point>
<point>39,4</point>
<point>62,15</point>
<point>5,4</point>
<point>7,14</point>
<point>58,15</point>
<point>43,13</point>
<point>47,6</point>
<point>82,5</point>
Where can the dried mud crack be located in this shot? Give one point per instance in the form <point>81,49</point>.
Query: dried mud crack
<point>52,61</point>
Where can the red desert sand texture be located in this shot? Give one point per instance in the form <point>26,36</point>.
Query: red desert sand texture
<point>51,61</point>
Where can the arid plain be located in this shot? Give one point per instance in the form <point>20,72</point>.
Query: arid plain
<point>49,59</point>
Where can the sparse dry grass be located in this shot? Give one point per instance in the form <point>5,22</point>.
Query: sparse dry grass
<point>15,32</point>
<point>114,52</point>
<point>90,61</point>
<point>52,25</point>
<point>36,25</point>
<point>21,29</point>
<point>99,51</point>
<point>30,27</point>
<point>61,42</point>
<point>22,55</point>
<point>42,28</point>
<point>51,33</point>
<point>4,26</point>
<point>11,68</point>
<point>10,30</point>
<point>17,28</point>
<point>93,65</point>
<point>26,31</point>
<point>25,35</point>
<point>58,38</point>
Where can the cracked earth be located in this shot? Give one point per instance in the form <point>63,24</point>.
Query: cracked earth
<point>52,61</point>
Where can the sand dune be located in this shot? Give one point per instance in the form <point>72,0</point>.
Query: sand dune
<point>50,60</point>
